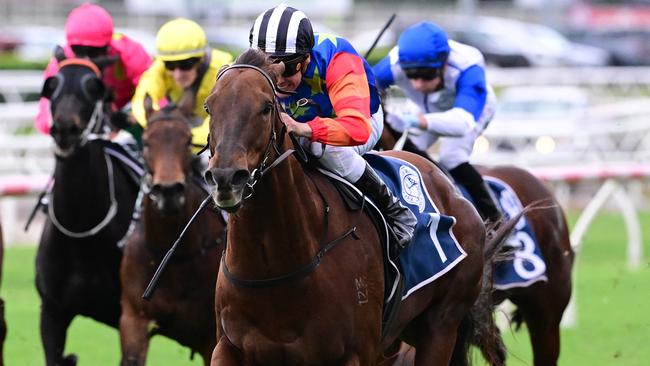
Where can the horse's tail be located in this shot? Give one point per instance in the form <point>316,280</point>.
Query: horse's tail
<point>479,327</point>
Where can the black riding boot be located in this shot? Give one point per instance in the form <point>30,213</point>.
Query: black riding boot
<point>400,218</point>
<point>466,175</point>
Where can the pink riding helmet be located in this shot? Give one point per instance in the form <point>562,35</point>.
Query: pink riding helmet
<point>89,25</point>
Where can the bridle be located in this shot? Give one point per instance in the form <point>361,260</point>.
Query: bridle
<point>90,133</point>
<point>93,130</point>
<point>165,115</point>
<point>273,143</point>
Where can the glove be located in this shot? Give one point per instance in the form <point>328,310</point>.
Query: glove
<point>403,122</point>
<point>411,120</point>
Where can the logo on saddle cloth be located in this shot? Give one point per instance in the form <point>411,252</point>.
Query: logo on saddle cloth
<point>411,188</point>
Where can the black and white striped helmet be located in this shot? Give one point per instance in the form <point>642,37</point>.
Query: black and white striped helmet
<point>282,31</point>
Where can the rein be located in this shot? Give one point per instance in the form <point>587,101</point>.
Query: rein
<point>303,271</point>
<point>112,210</point>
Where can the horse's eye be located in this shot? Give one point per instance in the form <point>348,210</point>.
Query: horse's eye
<point>267,108</point>
<point>205,107</point>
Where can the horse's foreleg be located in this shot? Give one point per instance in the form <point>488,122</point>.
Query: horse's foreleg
<point>134,337</point>
<point>54,327</point>
<point>225,354</point>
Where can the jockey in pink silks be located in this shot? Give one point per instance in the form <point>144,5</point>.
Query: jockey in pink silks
<point>89,34</point>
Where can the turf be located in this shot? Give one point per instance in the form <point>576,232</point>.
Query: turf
<point>613,320</point>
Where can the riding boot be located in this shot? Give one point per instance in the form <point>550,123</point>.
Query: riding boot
<point>467,176</point>
<point>400,218</point>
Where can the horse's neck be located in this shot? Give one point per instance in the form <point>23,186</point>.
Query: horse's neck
<point>161,231</point>
<point>278,228</point>
<point>81,181</point>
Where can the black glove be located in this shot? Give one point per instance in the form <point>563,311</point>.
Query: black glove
<point>120,120</point>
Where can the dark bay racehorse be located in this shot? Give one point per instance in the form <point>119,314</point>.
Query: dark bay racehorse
<point>542,304</point>
<point>282,298</point>
<point>78,261</point>
<point>183,308</point>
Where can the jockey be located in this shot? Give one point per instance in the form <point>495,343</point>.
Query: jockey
<point>184,62</point>
<point>89,34</point>
<point>335,106</point>
<point>448,97</point>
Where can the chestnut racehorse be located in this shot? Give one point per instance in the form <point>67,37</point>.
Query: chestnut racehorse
<point>301,281</point>
<point>541,304</point>
<point>183,308</point>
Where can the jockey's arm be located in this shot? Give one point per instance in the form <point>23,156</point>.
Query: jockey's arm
<point>349,93</point>
<point>455,122</point>
<point>471,94</point>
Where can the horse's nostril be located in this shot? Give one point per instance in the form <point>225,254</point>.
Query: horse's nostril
<point>209,178</point>
<point>177,188</point>
<point>240,177</point>
<point>155,191</point>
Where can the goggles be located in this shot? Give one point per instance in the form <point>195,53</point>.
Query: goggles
<point>424,73</point>
<point>89,51</point>
<point>184,65</point>
<point>290,64</point>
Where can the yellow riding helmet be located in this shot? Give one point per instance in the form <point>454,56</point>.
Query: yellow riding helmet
<point>180,39</point>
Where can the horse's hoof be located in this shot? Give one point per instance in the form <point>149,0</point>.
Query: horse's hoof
<point>69,360</point>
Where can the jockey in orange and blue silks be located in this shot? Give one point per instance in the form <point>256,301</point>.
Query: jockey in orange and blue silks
<point>340,87</point>
<point>336,106</point>
<point>89,33</point>
<point>448,96</point>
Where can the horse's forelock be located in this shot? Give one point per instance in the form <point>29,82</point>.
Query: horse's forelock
<point>255,57</point>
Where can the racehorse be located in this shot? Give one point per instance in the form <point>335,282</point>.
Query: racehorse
<point>3,324</point>
<point>541,304</point>
<point>301,281</point>
<point>183,308</point>
<point>90,207</point>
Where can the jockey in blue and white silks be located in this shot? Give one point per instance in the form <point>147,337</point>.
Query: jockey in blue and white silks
<point>449,97</point>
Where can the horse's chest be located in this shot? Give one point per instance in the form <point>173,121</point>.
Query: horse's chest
<point>280,340</point>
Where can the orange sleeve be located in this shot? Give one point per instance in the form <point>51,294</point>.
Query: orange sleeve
<point>347,87</point>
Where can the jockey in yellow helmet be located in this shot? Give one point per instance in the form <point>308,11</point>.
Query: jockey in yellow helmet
<point>184,60</point>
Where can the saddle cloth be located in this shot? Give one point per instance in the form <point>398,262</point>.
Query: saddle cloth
<point>434,250</point>
<point>527,265</point>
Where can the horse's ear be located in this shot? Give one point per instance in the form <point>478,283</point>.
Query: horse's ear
<point>148,106</point>
<point>276,70</point>
<point>50,85</point>
<point>59,53</point>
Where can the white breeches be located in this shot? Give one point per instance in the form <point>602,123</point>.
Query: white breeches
<point>346,161</point>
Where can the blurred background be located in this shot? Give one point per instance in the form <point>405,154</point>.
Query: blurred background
<point>572,79</point>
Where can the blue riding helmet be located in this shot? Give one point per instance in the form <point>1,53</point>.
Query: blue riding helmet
<point>423,45</point>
